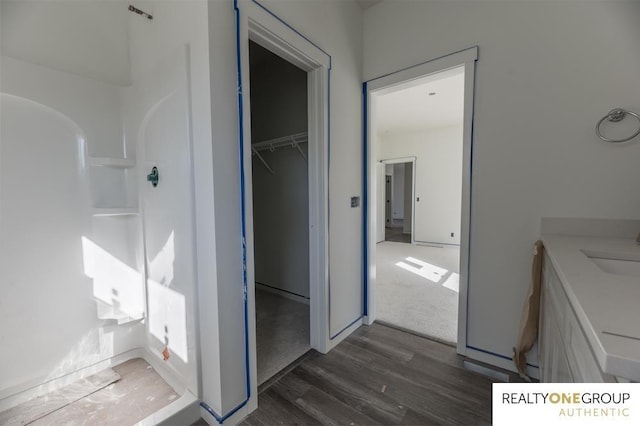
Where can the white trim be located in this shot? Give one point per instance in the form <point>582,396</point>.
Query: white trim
<point>395,81</point>
<point>465,226</point>
<point>402,78</point>
<point>399,160</point>
<point>258,25</point>
<point>500,362</point>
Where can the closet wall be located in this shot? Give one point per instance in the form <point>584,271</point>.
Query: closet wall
<point>281,198</point>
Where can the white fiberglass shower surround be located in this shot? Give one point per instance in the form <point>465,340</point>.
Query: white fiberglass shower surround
<point>97,262</point>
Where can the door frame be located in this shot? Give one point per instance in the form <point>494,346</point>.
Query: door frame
<point>258,24</point>
<point>403,160</point>
<point>393,82</point>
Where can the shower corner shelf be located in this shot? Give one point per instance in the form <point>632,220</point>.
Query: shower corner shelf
<point>120,163</point>
<point>114,211</point>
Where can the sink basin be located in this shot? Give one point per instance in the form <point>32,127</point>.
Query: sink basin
<point>616,263</point>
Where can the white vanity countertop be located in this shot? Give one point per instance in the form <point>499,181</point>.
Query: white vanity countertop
<point>607,305</point>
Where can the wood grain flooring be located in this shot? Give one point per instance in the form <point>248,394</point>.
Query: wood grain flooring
<point>377,376</point>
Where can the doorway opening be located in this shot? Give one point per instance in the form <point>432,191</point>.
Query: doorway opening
<point>418,284</point>
<point>280,186</point>
<point>397,223</point>
<point>418,156</point>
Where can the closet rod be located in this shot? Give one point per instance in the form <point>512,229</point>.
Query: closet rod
<point>272,144</point>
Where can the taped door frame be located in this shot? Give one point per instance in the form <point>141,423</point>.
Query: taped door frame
<point>258,24</point>
<point>390,83</point>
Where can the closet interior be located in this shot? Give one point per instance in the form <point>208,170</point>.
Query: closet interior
<point>280,209</point>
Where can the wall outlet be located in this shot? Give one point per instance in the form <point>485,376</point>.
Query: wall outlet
<point>452,234</point>
<point>355,201</point>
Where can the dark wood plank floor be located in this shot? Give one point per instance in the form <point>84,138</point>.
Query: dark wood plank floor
<point>378,375</point>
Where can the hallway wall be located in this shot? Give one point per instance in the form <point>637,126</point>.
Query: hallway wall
<point>539,93</point>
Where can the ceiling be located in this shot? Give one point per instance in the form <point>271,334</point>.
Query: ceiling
<point>410,108</point>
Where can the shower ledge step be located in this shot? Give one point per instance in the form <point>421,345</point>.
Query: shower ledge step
<point>114,211</point>
<point>124,163</point>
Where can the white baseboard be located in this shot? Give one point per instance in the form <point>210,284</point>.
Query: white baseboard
<point>282,293</point>
<point>500,362</point>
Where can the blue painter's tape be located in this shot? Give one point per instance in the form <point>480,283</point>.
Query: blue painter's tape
<point>221,419</point>
<point>226,416</point>
<point>365,203</point>
<point>347,327</point>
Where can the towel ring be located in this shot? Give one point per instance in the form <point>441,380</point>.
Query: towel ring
<point>615,115</point>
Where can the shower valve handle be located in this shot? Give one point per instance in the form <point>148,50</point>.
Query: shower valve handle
<point>153,176</point>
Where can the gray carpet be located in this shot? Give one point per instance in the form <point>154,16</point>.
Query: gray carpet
<point>282,332</point>
<point>417,288</point>
<point>397,235</point>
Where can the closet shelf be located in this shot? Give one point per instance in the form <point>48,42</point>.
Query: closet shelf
<point>120,163</point>
<point>292,141</point>
<point>272,144</point>
<point>114,211</point>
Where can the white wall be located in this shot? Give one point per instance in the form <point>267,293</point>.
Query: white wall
<point>344,43</point>
<point>397,201</point>
<point>281,221</point>
<point>70,94</point>
<point>547,72</point>
<point>88,38</point>
<point>438,183</point>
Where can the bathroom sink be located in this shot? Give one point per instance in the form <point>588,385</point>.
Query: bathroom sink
<point>627,264</point>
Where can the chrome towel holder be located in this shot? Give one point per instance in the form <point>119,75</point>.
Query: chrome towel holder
<point>615,115</point>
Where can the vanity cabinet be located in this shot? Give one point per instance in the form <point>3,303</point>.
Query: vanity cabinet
<point>564,351</point>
